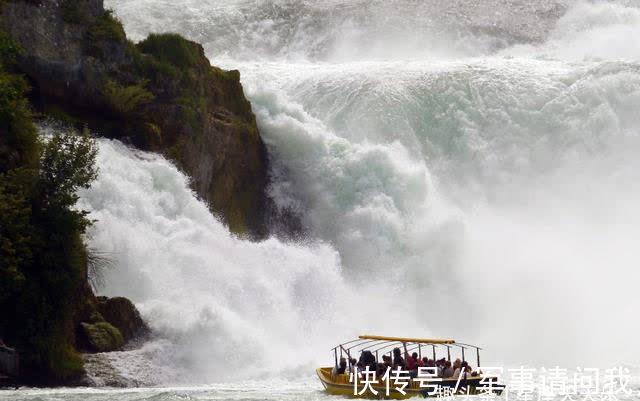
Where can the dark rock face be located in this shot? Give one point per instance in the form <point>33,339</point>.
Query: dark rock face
<point>103,325</point>
<point>106,324</point>
<point>124,316</point>
<point>160,95</point>
<point>54,54</point>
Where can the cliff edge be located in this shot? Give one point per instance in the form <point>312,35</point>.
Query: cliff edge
<point>160,95</point>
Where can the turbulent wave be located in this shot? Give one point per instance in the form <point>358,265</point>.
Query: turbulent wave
<point>463,170</point>
<point>475,183</point>
<point>339,30</point>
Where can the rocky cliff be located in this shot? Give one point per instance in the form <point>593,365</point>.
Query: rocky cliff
<point>161,95</point>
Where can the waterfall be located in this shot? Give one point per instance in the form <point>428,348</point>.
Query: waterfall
<point>478,181</point>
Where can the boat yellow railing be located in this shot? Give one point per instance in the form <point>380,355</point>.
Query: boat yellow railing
<point>406,340</point>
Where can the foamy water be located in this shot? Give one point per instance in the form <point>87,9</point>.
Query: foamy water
<point>303,389</point>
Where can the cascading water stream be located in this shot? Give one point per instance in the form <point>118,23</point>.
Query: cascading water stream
<point>216,301</point>
<point>477,182</point>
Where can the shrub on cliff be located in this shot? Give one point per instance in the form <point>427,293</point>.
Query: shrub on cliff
<point>172,48</point>
<point>124,100</point>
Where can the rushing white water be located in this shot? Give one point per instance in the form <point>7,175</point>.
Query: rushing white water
<point>205,291</point>
<point>464,170</point>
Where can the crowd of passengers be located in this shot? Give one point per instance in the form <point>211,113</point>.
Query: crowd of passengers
<point>411,363</point>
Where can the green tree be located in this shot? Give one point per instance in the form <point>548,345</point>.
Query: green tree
<point>67,165</point>
<point>43,259</point>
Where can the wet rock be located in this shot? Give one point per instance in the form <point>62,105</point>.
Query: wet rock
<point>101,336</point>
<point>123,315</point>
<point>102,373</point>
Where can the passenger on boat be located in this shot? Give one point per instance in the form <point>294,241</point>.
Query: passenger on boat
<point>412,361</point>
<point>367,359</point>
<point>448,369</point>
<point>430,364</point>
<point>412,364</point>
<point>351,367</point>
<point>470,370</point>
<point>467,370</point>
<point>353,364</point>
<point>398,361</point>
<point>341,368</point>
<point>386,360</point>
<point>457,368</point>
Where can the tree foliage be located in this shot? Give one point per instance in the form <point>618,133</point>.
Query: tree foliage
<point>67,165</point>
<point>43,259</point>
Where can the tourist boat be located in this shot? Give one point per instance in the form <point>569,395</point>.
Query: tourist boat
<point>343,384</point>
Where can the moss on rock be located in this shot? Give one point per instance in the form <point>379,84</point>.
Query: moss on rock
<point>102,336</point>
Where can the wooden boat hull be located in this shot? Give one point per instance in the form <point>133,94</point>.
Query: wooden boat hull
<point>340,385</point>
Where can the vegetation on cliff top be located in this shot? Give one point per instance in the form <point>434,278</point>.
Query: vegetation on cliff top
<point>187,93</point>
<point>172,48</point>
<point>160,95</point>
